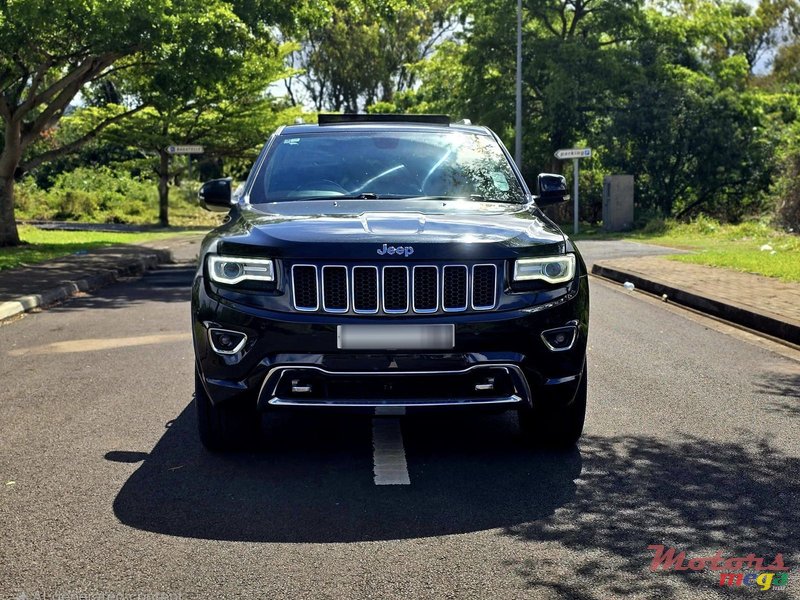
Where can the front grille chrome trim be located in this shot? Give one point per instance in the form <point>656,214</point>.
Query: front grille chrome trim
<point>472,288</point>
<point>424,311</point>
<point>378,277</point>
<point>346,290</point>
<point>294,289</point>
<point>466,290</point>
<point>361,311</point>
<point>383,290</point>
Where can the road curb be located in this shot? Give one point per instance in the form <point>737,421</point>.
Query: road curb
<point>768,324</point>
<point>125,268</point>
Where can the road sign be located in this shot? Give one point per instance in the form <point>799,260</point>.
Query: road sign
<point>573,153</point>
<point>188,149</point>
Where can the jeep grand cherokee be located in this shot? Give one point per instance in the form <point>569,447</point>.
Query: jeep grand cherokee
<point>388,264</point>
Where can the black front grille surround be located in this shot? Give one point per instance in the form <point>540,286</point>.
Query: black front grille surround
<point>394,289</point>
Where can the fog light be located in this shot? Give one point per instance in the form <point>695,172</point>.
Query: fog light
<point>224,341</point>
<point>560,339</point>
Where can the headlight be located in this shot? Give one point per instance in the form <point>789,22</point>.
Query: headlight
<point>232,270</point>
<point>554,269</point>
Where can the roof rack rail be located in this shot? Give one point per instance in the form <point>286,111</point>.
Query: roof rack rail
<point>334,119</point>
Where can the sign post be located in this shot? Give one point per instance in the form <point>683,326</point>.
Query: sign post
<point>575,154</point>
<point>188,149</point>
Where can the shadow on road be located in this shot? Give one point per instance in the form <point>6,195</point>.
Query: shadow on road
<point>697,496</point>
<point>167,283</point>
<point>312,482</point>
<point>785,389</point>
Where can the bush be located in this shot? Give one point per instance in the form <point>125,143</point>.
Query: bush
<point>787,183</point>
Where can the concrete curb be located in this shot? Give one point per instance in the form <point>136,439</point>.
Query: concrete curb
<point>125,268</point>
<point>769,324</point>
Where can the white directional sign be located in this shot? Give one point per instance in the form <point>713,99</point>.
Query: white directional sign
<point>573,153</point>
<point>188,149</point>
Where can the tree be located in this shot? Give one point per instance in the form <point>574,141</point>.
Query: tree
<point>353,53</point>
<point>224,108</point>
<point>50,50</point>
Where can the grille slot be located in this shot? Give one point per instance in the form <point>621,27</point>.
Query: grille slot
<point>484,288</point>
<point>394,289</point>
<point>454,288</point>
<point>426,289</point>
<point>334,289</point>
<point>304,287</point>
<point>365,289</point>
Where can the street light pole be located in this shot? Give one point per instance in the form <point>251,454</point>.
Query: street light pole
<point>518,123</point>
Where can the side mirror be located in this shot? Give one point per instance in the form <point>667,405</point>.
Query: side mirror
<point>550,189</point>
<point>216,195</point>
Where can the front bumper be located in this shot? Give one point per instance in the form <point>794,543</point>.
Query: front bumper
<point>292,350</point>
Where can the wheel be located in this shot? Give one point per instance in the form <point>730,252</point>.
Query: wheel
<point>556,427</point>
<point>224,427</point>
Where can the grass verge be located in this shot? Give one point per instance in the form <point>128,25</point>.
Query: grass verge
<point>42,245</point>
<point>751,247</point>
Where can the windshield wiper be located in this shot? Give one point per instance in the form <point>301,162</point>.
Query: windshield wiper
<point>472,197</point>
<point>361,196</point>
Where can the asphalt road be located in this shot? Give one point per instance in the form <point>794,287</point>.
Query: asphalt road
<point>692,441</point>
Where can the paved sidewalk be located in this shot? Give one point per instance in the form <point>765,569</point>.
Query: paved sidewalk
<point>38,285</point>
<point>761,303</point>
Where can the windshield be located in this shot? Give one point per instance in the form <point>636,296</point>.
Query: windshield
<point>386,165</point>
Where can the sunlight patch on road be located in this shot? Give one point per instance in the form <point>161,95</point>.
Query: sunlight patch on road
<point>94,344</point>
<point>389,455</point>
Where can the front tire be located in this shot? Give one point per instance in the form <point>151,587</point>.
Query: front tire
<point>556,427</point>
<point>223,427</point>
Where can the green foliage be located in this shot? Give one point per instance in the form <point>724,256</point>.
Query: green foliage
<point>353,53</point>
<point>41,245</point>
<point>787,184</point>
<point>665,91</point>
<point>751,246</point>
<point>104,195</point>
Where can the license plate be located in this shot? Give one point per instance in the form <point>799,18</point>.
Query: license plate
<point>395,337</point>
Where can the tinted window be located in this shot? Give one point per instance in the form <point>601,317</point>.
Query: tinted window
<point>389,164</point>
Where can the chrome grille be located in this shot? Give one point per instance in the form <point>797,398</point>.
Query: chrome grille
<point>334,289</point>
<point>394,289</point>
<point>365,289</point>
<point>454,288</point>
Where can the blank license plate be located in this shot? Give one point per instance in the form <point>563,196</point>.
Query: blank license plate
<point>395,337</point>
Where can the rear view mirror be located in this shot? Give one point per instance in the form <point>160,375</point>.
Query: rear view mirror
<point>550,189</point>
<point>216,195</point>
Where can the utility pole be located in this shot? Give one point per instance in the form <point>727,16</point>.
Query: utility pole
<point>518,124</point>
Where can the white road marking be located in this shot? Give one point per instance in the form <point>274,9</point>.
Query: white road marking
<point>388,453</point>
<point>90,345</point>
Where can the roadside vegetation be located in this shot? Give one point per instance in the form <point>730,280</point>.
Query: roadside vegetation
<point>106,195</point>
<point>754,246</point>
<point>42,245</point>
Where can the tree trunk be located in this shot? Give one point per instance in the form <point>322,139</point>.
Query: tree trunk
<point>9,236</point>
<point>9,161</point>
<point>163,189</point>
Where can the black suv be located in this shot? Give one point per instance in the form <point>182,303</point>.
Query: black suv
<point>388,264</point>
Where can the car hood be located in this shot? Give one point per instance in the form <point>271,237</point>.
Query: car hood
<point>362,228</point>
